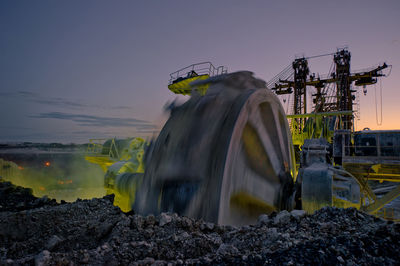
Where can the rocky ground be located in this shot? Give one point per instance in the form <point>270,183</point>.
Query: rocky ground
<point>94,232</point>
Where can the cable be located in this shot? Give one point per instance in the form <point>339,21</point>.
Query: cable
<point>376,105</point>
<point>390,71</point>
<point>315,56</point>
<point>381,91</point>
<point>284,74</point>
<point>288,104</point>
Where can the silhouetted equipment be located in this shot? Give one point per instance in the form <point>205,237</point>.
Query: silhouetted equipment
<point>326,99</point>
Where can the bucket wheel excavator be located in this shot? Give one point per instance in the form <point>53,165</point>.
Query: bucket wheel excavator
<point>227,154</point>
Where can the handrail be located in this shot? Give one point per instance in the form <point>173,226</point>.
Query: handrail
<point>379,148</point>
<point>192,65</point>
<point>203,68</point>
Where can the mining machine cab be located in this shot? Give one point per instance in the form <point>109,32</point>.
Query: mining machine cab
<point>180,81</point>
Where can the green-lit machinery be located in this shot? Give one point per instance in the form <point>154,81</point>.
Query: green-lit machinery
<point>334,97</point>
<point>122,163</point>
<point>230,152</point>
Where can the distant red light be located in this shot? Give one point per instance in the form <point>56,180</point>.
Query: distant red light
<point>46,164</point>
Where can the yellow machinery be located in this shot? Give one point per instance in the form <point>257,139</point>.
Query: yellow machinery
<point>181,79</point>
<point>372,156</point>
<point>227,154</point>
<point>97,154</point>
<point>334,97</point>
<point>122,162</point>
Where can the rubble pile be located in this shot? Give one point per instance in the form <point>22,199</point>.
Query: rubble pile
<point>96,232</point>
<point>16,198</point>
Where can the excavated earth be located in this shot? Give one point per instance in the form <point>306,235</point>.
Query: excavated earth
<point>94,232</point>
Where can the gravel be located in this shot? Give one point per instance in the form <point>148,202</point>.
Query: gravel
<point>15,198</point>
<point>95,232</point>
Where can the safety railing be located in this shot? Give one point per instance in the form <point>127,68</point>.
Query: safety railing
<point>204,68</point>
<point>96,146</point>
<point>374,144</point>
<point>374,150</point>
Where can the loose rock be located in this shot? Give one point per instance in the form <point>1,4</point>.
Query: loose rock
<point>53,242</point>
<point>165,219</point>
<point>298,214</point>
<point>263,219</point>
<point>282,217</point>
<point>95,232</point>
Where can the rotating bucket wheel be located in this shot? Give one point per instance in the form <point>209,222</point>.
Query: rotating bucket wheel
<point>225,157</point>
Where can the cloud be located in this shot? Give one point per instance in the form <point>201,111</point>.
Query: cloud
<point>6,94</point>
<point>120,107</point>
<point>98,121</point>
<point>15,128</point>
<point>83,132</point>
<point>19,94</point>
<point>56,101</point>
<point>27,93</point>
<point>59,102</point>
<point>66,136</point>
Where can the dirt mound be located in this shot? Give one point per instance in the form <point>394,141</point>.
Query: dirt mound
<point>15,198</point>
<point>96,232</point>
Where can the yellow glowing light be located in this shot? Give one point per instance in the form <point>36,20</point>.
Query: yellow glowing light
<point>47,164</point>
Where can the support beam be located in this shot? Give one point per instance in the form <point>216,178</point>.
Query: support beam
<point>379,203</point>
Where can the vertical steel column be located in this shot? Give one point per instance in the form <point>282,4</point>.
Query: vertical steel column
<point>301,70</point>
<point>343,91</point>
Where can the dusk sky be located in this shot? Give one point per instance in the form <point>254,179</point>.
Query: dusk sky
<point>74,70</point>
